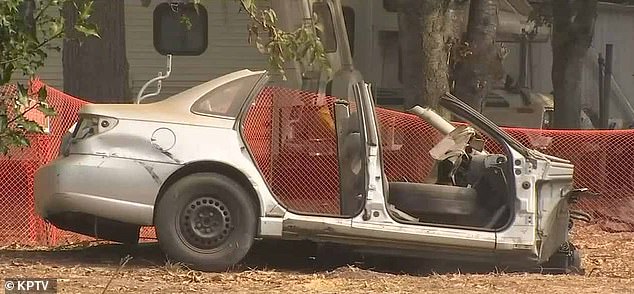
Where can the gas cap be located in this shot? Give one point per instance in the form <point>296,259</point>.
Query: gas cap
<point>163,139</point>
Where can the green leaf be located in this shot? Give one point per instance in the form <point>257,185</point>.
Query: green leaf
<point>261,47</point>
<point>23,98</point>
<point>7,72</point>
<point>186,21</point>
<point>31,126</point>
<point>21,140</point>
<point>15,138</point>
<point>56,28</point>
<point>4,149</point>
<point>47,110</point>
<point>87,29</point>
<point>42,93</point>
<point>85,11</point>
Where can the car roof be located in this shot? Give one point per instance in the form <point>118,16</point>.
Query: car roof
<point>189,96</point>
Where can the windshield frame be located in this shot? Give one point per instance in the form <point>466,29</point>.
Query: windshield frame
<point>458,107</point>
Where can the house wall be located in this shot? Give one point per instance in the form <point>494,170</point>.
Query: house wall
<point>228,50</point>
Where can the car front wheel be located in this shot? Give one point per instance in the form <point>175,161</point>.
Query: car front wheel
<point>206,221</point>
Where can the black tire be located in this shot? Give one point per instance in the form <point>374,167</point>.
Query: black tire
<point>206,221</point>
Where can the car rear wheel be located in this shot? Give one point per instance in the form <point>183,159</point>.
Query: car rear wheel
<point>206,221</point>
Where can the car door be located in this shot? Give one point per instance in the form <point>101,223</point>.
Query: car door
<point>352,151</point>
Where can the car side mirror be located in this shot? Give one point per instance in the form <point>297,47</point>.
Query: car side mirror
<point>180,29</point>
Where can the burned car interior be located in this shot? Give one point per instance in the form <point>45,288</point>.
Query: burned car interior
<point>465,187</point>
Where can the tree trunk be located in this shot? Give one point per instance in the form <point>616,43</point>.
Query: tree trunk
<point>28,8</point>
<point>423,34</point>
<point>410,41</point>
<point>573,30</point>
<point>434,27</point>
<point>474,74</point>
<point>97,68</point>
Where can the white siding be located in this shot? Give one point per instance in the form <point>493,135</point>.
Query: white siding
<point>52,71</point>
<point>228,50</point>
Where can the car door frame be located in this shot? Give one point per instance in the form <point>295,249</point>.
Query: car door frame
<point>375,220</point>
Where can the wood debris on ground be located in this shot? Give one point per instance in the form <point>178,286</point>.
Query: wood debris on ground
<point>608,260</point>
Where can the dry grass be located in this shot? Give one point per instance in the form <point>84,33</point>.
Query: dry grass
<point>608,260</point>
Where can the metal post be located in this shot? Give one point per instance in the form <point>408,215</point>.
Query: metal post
<point>522,81</point>
<point>604,104</point>
<point>601,91</point>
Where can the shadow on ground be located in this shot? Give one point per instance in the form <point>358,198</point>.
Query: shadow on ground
<point>290,256</point>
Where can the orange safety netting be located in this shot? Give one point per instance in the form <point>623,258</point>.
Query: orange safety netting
<point>292,137</point>
<point>295,148</point>
<point>18,221</point>
<point>19,224</point>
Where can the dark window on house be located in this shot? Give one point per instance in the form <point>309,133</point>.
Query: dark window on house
<point>325,26</point>
<point>390,5</point>
<point>400,65</point>
<point>172,36</point>
<point>227,99</point>
<point>349,18</point>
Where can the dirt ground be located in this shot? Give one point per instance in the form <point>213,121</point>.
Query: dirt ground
<point>608,262</point>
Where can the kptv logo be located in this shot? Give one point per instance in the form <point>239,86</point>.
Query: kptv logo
<point>30,285</point>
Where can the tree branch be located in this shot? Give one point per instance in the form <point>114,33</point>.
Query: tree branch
<point>37,47</point>
<point>22,114</point>
<point>42,10</point>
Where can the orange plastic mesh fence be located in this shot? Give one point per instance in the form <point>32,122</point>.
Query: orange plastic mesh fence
<point>293,141</point>
<point>18,221</point>
<point>295,148</point>
<point>603,161</point>
<point>19,224</point>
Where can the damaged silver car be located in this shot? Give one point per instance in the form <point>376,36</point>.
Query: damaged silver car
<point>239,158</point>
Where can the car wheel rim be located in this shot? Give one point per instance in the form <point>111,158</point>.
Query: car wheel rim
<point>206,223</point>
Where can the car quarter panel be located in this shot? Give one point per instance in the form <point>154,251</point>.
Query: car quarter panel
<point>109,187</point>
<point>146,153</point>
<point>195,144</point>
<point>154,141</point>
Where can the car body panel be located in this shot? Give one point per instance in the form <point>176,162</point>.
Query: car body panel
<point>380,233</point>
<point>149,166</point>
<point>100,186</point>
<point>553,205</point>
<point>131,150</point>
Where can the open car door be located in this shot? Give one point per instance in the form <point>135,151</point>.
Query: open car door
<point>351,153</point>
